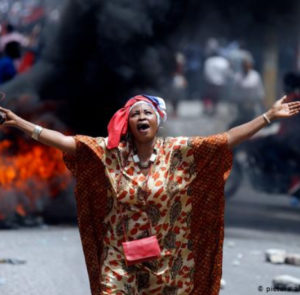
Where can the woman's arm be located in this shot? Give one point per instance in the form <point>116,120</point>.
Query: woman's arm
<point>280,109</point>
<point>46,136</point>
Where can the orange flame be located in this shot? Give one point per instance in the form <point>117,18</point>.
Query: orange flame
<point>20,210</point>
<point>33,169</point>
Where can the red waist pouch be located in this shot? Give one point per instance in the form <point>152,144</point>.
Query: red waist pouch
<point>141,250</point>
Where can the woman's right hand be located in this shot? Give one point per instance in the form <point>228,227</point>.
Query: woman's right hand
<point>10,118</point>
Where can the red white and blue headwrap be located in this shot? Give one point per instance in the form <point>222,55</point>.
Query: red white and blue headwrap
<point>118,125</point>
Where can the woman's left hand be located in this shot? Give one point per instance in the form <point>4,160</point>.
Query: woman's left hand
<point>284,109</point>
<point>280,109</point>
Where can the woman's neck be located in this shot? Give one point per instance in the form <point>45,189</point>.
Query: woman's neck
<point>145,149</point>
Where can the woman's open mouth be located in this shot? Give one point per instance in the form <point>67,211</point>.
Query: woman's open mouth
<point>143,127</point>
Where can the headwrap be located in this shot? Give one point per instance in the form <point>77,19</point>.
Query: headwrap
<point>149,104</point>
<point>118,125</point>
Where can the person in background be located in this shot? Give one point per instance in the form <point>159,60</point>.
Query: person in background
<point>216,75</point>
<point>31,51</point>
<point>10,35</point>
<point>193,69</point>
<point>179,83</point>
<point>248,89</point>
<point>8,70</point>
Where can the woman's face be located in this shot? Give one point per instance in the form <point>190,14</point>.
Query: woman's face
<point>142,123</point>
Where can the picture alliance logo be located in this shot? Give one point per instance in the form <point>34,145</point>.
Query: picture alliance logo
<point>278,289</point>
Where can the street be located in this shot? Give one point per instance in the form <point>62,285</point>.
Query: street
<point>255,222</point>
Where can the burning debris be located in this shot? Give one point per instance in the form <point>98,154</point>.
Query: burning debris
<point>30,175</point>
<point>33,176</point>
<point>15,221</point>
<point>26,166</point>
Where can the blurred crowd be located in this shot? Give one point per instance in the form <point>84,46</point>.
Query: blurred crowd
<point>213,72</point>
<point>18,51</point>
<point>21,23</point>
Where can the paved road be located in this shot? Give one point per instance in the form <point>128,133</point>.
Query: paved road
<point>55,263</point>
<point>254,223</point>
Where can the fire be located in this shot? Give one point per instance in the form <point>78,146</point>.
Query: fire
<point>34,170</point>
<point>20,210</point>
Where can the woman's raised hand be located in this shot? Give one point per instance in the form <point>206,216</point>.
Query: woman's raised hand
<point>8,116</point>
<point>284,109</point>
<point>280,109</point>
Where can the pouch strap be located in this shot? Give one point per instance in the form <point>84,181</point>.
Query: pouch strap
<point>120,204</point>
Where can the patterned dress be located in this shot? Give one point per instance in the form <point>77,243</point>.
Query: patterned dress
<point>183,198</point>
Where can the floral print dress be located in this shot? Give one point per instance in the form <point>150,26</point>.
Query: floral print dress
<point>177,201</point>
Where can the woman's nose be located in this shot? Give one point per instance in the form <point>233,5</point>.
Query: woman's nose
<point>141,116</point>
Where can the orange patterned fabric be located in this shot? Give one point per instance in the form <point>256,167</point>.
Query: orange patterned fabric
<point>183,198</point>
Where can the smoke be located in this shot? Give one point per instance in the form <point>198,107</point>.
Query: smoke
<point>102,52</point>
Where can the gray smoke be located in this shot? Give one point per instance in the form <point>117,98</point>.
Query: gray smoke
<point>103,52</point>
